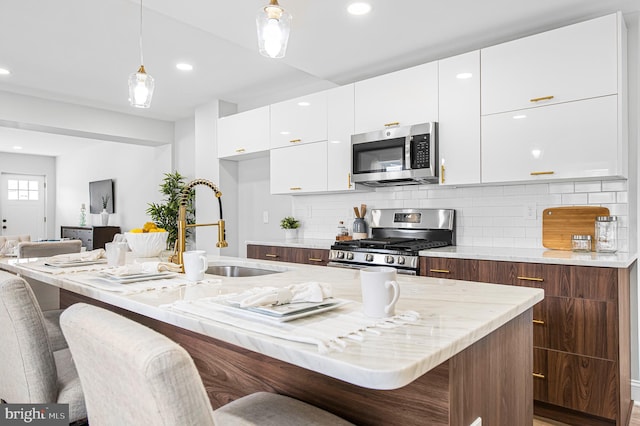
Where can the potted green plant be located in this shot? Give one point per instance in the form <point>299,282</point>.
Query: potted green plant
<point>165,214</point>
<point>290,226</point>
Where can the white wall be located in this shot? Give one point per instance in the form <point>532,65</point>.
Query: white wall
<point>35,165</point>
<point>137,172</point>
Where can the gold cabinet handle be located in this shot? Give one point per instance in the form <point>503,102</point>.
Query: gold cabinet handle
<point>270,255</point>
<point>240,150</point>
<point>544,98</point>
<point>394,123</point>
<point>442,173</point>
<point>535,321</point>
<point>313,259</point>
<point>538,375</point>
<point>531,279</point>
<point>541,173</point>
<point>349,180</point>
<point>440,271</point>
<point>295,140</point>
<point>295,188</point>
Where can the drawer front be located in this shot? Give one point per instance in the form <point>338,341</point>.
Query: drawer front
<point>276,253</point>
<point>442,267</point>
<point>310,256</point>
<point>580,326</point>
<point>576,382</point>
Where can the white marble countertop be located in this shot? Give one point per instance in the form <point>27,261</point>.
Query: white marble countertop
<point>454,315</point>
<point>531,255</point>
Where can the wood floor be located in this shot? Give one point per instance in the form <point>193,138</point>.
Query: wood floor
<point>635,419</point>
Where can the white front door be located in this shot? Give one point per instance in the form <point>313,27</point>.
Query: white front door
<point>22,205</point>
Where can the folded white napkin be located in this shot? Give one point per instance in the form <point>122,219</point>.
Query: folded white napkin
<point>145,268</point>
<point>305,292</point>
<point>83,256</point>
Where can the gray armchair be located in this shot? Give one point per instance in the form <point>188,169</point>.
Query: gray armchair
<point>48,248</point>
<point>30,370</point>
<point>132,375</point>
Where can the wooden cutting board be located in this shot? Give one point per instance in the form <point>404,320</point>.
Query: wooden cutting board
<point>560,223</point>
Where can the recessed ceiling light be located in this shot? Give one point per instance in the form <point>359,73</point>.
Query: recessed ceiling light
<point>464,75</point>
<point>303,103</point>
<point>4,71</point>
<point>284,132</point>
<point>359,8</point>
<point>519,117</point>
<point>17,148</point>
<point>184,67</point>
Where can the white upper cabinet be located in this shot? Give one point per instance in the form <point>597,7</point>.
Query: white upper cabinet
<point>299,169</point>
<point>299,120</point>
<point>563,141</point>
<point>242,134</point>
<point>575,62</point>
<point>405,97</point>
<point>459,124</point>
<point>340,128</point>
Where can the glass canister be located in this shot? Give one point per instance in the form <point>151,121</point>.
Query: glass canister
<point>606,234</point>
<point>581,243</point>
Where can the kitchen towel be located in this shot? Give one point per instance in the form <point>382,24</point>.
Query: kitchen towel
<point>328,331</point>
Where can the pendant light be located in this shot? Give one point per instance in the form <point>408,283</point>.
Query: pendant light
<point>273,24</point>
<point>140,83</point>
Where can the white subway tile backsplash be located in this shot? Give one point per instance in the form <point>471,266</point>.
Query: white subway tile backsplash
<point>588,186</point>
<point>487,216</point>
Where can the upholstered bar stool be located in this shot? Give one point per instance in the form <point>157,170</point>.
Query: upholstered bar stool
<point>30,370</point>
<point>132,375</point>
<point>48,248</point>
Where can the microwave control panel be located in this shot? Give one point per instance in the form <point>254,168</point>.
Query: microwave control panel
<point>420,152</point>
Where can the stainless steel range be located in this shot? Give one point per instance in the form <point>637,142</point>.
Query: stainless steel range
<point>397,236</point>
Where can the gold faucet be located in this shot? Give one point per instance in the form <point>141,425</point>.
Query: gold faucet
<point>182,220</point>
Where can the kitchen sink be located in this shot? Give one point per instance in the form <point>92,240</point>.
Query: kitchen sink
<point>238,271</point>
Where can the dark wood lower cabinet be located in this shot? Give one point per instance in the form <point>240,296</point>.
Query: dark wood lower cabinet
<point>288,254</point>
<point>581,333</point>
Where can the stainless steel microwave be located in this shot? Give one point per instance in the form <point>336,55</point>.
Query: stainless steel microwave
<point>396,156</point>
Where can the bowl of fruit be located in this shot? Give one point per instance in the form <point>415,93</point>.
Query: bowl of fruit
<point>148,241</point>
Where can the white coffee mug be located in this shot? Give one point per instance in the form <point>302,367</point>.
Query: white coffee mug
<point>380,291</point>
<point>195,264</point>
<point>116,253</point>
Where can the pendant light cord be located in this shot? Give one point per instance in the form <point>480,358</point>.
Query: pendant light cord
<point>141,57</point>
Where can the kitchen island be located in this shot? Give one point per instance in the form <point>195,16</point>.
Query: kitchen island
<point>468,356</point>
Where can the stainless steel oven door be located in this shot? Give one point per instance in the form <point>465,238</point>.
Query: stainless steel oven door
<point>358,266</point>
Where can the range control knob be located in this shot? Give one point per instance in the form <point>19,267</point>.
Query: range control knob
<point>369,258</point>
<point>400,260</point>
<point>340,255</point>
<point>349,256</point>
<point>389,259</point>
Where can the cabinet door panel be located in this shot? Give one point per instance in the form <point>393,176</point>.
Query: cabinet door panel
<point>459,119</point>
<point>406,97</point>
<point>580,326</point>
<point>497,272</point>
<point>575,62</point>
<point>243,133</point>
<point>552,142</point>
<point>310,256</point>
<point>281,254</point>
<point>594,283</point>
<point>298,121</point>
<point>299,169</point>
<point>455,269</point>
<point>576,382</point>
<point>340,123</point>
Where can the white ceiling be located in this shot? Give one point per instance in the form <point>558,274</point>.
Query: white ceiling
<point>82,51</point>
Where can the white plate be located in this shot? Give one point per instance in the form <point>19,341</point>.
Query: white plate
<point>289,311</point>
<point>71,263</point>
<point>132,278</point>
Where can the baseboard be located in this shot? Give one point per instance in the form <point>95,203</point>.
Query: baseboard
<point>635,390</point>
